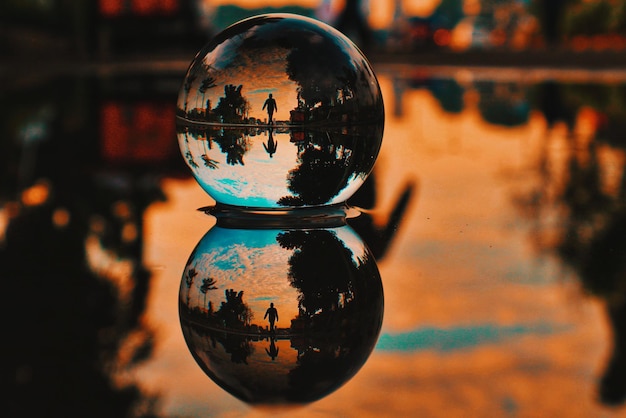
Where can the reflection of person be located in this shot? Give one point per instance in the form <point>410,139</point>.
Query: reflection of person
<point>270,103</point>
<point>272,145</point>
<point>273,350</point>
<point>272,315</point>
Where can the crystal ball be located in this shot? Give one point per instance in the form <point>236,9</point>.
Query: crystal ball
<point>277,316</point>
<point>280,111</point>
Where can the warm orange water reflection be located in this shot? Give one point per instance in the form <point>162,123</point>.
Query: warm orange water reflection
<point>463,263</point>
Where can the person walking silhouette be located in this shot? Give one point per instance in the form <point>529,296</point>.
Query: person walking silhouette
<point>272,145</point>
<point>272,315</point>
<point>273,350</point>
<point>270,103</point>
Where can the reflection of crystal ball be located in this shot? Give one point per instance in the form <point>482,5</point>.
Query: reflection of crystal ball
<point>328,296</point>
<point>280,111</point>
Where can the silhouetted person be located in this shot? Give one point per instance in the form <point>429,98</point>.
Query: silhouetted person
<point>272,145</point>
<point>270,104</point>
<point>272,315</point>
<point>273,350</point>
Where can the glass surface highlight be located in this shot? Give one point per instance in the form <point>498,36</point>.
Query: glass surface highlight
<point>280,111</point>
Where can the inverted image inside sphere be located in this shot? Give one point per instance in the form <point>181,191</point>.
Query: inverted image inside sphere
<point>279,316</point>
<point>280,111</point>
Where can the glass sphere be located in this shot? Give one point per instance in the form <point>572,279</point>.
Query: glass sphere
<point>281,316</point>
<point>280,111</point>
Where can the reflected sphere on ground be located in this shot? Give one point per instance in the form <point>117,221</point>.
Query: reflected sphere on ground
<point>281,317</point>
<point>276,104</point>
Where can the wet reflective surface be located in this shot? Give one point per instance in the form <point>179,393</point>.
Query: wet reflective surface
<point>495,214</point>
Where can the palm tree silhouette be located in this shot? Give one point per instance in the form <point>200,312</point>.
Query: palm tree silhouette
<point>208,162</point>
<point>206,84</point>
<point>233,106</point>
<point>190,160</point>
<point>189,276</point>
<point>187,87</point>
<point>207,284</point>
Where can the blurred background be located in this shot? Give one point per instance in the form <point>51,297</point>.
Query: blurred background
<point>112,28</point>
<point>496,210</point>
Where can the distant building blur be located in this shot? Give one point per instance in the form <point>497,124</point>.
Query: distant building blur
<point>105,28</point>
<point>463,24</point>
<point>99,28</point>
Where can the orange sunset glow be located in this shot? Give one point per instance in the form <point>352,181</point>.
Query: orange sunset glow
<point>314,208</point>
<point>452,268</point>
<point>381,12</point>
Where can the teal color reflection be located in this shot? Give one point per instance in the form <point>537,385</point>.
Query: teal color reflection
<point>459,338</point>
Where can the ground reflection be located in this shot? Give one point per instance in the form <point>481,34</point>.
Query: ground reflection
<point>310,300</point>
<point>585,183</point>
<point>521,200</point>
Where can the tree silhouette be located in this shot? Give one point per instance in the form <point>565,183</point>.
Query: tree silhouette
<point>328,161</point>
<point>352,22</point>
<point>234,312</point>
<point>79,334</point>
<point>604,272</point>
<point>340,306</point>
<point>207,83</point>
<point>187,88</point>
<point>233,106</point>
<point>208,162</point>
<point>592,218</point>
<point>239,347</point>
<point>331,85</point>
<point>190,274</point>
<point>234,143</point>
<point>190,160</point>
<point>323,286</point>
<point>314,181</point>
<point>207,284</point>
